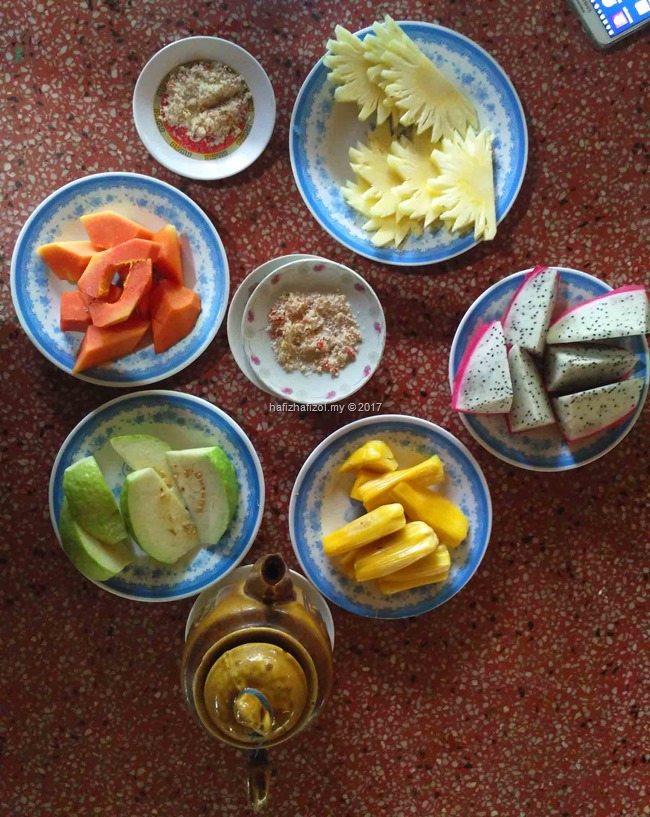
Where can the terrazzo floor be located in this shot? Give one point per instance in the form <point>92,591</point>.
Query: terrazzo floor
<point>525,695</point>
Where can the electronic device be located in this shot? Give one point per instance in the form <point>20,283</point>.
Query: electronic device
<point>609,21</point>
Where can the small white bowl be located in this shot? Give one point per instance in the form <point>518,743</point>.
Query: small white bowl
<point>238,308</point>
<point>155,137</point>
<point>316,275</point>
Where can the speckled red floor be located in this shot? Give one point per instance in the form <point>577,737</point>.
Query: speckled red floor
<point>523,696</point>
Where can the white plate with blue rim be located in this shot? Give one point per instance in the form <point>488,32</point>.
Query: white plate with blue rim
<point>238,307</point>
<point>183,421</point>
<point>542,449</point>
<point>320,503</point>
<point>36,291</point>
<point>322,132</point>
<point>310,276</point>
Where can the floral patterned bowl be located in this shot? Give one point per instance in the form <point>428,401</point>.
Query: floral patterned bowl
<point>324,277</point>
<point>322,131</point>
<point>542,449</point>
<point>184,421</point>
<point>320,503</point>
<point>36,292</point>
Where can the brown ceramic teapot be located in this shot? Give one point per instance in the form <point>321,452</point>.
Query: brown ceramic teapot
<point>257,666</point>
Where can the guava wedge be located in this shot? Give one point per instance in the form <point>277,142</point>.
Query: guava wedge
<point>208,484</point>
<point>156,518</point>
<point>144,451</point>
<point>91,502</point>
<point>96,560</point>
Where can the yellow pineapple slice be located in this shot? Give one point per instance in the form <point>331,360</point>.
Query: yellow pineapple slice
<point>377,43</point>
<point>411,160</point>
<point>389,230</point>
<point>348,70</point>
<point>426,98</point>
<point>356,195</point>
<point>464,188</point>
<point>370,162</point>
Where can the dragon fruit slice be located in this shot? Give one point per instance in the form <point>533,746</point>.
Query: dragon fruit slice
<point>617,314</point>
<point>482,384</point>
<point>531,407</point>
<point>587,412</point>
<point>528,317</point>
<point>574,366</point>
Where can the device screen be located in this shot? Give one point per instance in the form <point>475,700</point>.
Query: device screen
<point>619,15</point>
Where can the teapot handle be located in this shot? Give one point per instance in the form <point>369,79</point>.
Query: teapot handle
<point>259,779</point>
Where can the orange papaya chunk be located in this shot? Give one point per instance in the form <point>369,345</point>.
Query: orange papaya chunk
<point>74,314</point>
<point>174,312</point>
<point>114,294</point>
<point>169,264</point>
<point>108,229</point>
<point>102,344</point>
<point>99,273</point>
<point>143,307</point>
<point>67,259</point>
<point>137,283</point>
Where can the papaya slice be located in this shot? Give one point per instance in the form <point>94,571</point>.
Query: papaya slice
<point>169,264</point>
<point>67,259</point>
<point>114,294</point>
<point>174,312</point>
<point>108,229</point>
<point>74,314</point>
<point>102,344</point>
<point>99,273</point>
<point>137,283</point>
<point>143,307</point>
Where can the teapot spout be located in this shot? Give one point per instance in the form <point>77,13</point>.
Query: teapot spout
<point>259,779</point>
<point>269,580</point>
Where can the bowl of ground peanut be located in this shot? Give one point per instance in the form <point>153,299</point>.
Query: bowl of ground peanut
<point>204,108</point>
<point>313,331</point>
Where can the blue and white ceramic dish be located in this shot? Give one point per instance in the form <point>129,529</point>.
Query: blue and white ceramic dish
<point>320,503</point>
<point>322,131</point>
<point>36,291</point>
<point>321,276</point>
<point>183,421</point>
<point>542,449</point>
<point>238,306</point>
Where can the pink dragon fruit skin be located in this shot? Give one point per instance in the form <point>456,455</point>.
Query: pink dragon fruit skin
<point>527,318</point>
<point>482,384</point>
<point>616,314</point>
<point>590,412</point>
<point>531,407</point>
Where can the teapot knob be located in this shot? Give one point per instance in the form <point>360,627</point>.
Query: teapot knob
<point>253,710</point>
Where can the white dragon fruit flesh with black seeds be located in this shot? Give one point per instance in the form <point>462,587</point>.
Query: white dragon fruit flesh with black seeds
<point>528,317</point>
<point>574,366</point>
<point>482,384</point>
<point>587,412</point>
<point>531,407</point>
<point>617,314</point>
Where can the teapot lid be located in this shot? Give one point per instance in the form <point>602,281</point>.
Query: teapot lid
<point>256,692</point>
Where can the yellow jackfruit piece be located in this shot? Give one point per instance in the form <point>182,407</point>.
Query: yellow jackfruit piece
<point>432,565</point>
<point>365,529</point>
<point>446,519</point>
<point>428,472</point>
<point>389,586</point>
<point>375,455</point>
<point>363,476</point>
<point>398,550</point>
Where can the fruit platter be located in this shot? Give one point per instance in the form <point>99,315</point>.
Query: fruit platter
<point>378,365</point>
